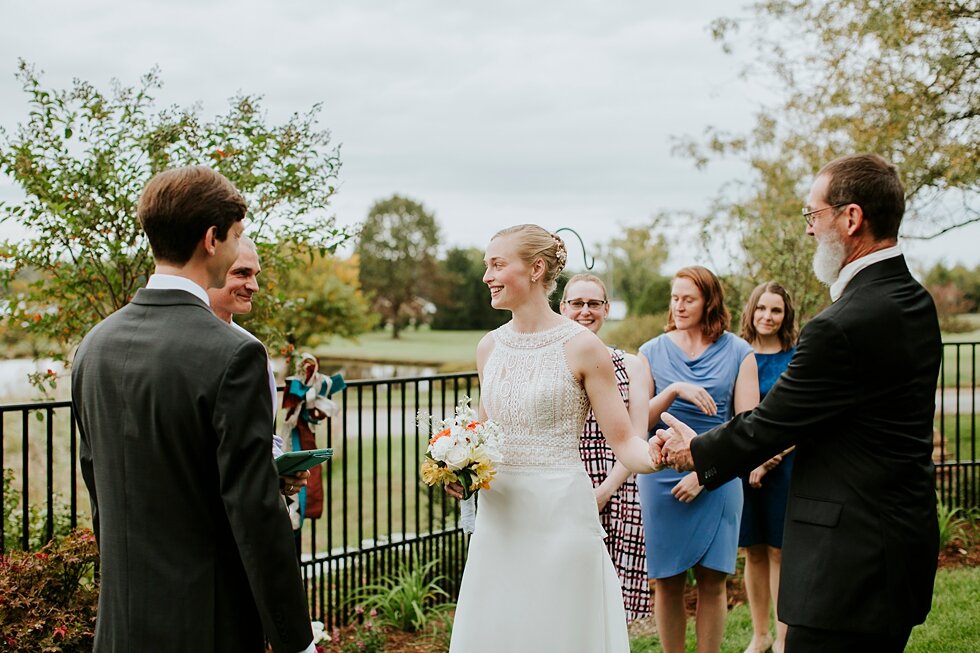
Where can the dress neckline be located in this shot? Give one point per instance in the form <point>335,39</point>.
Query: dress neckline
<point>535,339</point>
<point>684,354</point>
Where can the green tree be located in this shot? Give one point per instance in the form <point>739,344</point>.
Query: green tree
<point>896,77</point>
<point>83,156</point>
<point>397,250</point>
<point>462,300</point>
<point>634,263</point>
<point>321,298</point>
<point>956,291</point>
<point>960,276</point>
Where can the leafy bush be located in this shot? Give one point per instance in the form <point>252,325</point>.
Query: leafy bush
<point>632,332</point>
<point>13,521</point>
<point>49,598</point>
<point>952,523</point>
<point>365,637</point>
<point>407,599</point>
<point>441,631</point>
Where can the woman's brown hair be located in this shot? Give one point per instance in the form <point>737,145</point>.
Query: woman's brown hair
<point>716,319</point>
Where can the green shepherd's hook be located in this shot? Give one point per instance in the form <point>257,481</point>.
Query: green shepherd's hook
<point>585,259</point>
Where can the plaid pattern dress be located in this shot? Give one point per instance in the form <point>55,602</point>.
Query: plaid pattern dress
<point>621,517</point>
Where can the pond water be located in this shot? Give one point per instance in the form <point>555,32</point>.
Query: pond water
<point>366,370</point>
<point>14,385</point>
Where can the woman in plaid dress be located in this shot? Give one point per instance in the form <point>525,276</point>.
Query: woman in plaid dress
<point>584,301</point>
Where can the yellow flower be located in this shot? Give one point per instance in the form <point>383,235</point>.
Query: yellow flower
<point>434,474</point>
<point>483,473</point>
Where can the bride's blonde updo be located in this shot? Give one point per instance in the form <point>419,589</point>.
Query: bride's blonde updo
<point>534,242</point>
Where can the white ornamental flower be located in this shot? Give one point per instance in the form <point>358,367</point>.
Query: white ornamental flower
<point>458,455</point>
<point>492,451</point>
<point>439,448</point>
<point>319,632</point>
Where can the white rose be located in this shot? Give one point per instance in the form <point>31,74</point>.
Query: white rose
<point>457,456</point>
<point>439,448</point>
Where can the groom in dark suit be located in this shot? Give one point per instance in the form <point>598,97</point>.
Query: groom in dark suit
<point>858,400</point>
<point>173,406</point>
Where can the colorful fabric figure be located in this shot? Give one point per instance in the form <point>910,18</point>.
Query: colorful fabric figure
<point>306,401</point>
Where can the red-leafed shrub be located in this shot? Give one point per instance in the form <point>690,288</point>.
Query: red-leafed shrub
<point>49,598</point>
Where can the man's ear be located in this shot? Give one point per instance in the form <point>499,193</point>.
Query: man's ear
<point>211,240</point>
<point>854,218</point>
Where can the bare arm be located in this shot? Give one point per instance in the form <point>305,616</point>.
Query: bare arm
<point>747,385</point>
<point>640,388</point>
<point>589,360</point>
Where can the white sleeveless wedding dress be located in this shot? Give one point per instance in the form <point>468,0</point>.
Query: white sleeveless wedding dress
<point>538,576</point>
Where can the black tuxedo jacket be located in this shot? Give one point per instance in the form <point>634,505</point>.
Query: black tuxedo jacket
<point>858,399</point>
<point>196,548</point>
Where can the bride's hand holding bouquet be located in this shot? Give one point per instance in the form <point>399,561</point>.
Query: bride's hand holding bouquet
<point>462,454</point>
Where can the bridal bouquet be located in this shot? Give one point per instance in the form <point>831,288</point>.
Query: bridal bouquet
<point>461,449</point>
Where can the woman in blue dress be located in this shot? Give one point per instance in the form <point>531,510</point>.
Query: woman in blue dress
<point>704,374</point>
<point>769,324</point>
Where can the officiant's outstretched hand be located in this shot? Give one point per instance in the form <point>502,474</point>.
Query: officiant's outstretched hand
<point>671,447</point>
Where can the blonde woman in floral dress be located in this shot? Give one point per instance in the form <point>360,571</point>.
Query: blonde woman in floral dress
<point>585,301</point>
<point>538,576</point>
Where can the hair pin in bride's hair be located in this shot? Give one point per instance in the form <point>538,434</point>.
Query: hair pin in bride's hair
<point>564,251</point>
<point>561,254</point>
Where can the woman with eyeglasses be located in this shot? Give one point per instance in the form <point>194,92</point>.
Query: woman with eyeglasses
<point>703,374</point>
<point>585,301</point>
<point>769,324</point>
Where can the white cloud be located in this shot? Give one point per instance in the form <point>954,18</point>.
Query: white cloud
<point>489,114</point>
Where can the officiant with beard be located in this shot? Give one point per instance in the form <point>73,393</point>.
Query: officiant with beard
<point>861,538</point>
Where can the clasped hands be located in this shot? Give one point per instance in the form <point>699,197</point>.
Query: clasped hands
<point>671,447</point>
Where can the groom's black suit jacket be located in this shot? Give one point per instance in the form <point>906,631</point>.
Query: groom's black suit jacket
<point>858,400</point>
<point>195,544</point>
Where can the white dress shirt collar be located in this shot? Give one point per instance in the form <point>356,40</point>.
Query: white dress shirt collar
<point>851,269</point>
<point>173,282</point>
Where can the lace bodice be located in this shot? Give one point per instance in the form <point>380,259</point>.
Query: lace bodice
<point>530,392</point>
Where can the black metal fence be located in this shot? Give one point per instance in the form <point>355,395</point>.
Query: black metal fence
<point>955,451</point>
<point>378,515</point>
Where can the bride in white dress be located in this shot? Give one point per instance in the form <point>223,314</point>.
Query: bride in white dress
<point>538,576</point>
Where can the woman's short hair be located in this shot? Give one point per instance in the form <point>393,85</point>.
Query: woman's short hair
<point>179,205</point>
<point>534,242</point>
<point>787,330</point>
<point>716,319</point>
<point>590,278</point>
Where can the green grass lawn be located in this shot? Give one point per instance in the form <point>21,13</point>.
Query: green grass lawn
<point>456,349</point>
<point>968,424</point>
<point>952,626</point>
<point>972,320</point>
<point>960,363</point>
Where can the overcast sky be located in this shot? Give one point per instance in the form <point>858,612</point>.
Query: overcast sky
<point>490,114</point>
